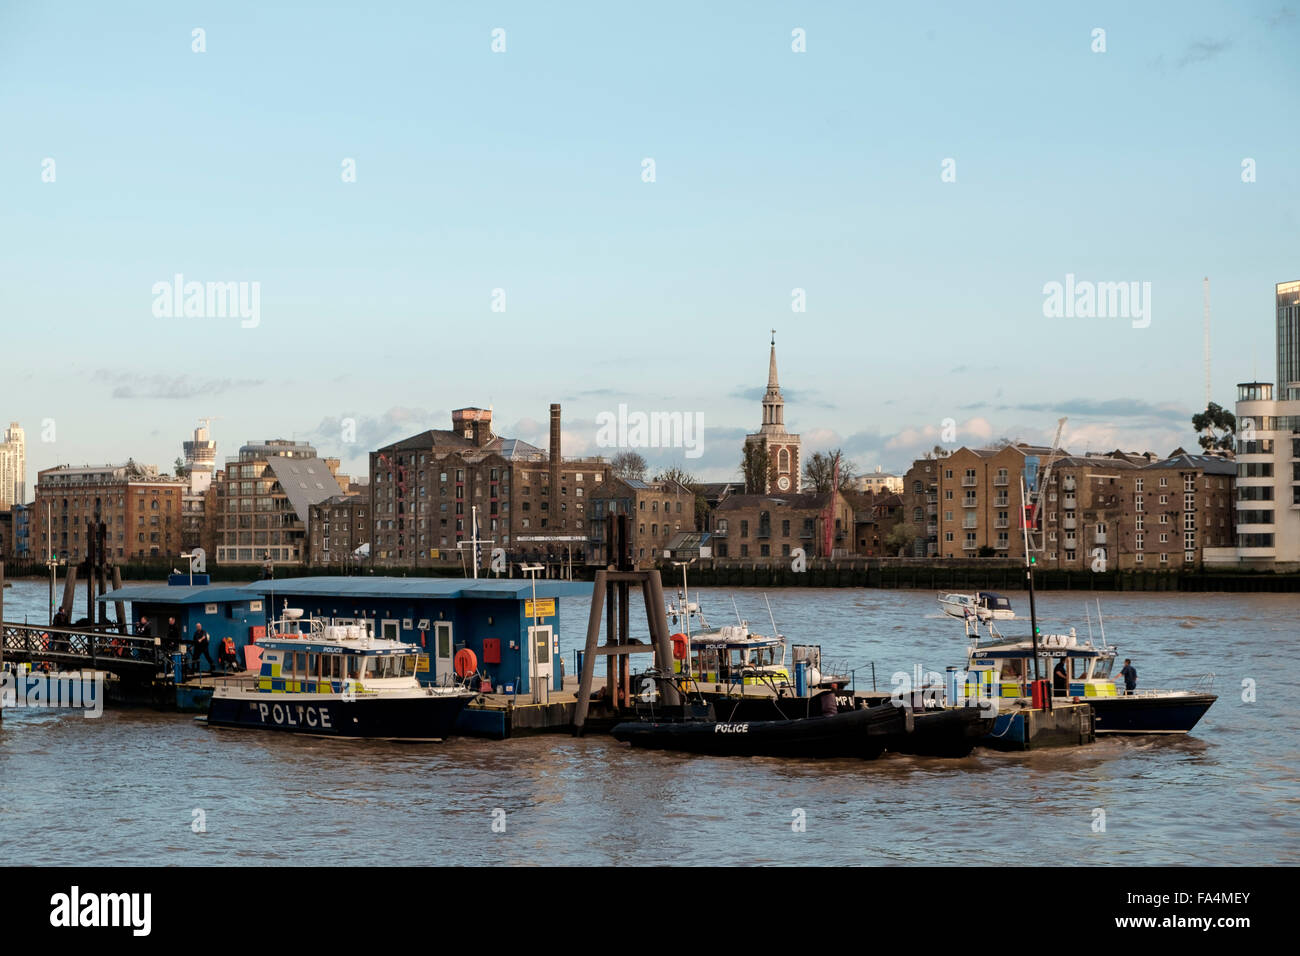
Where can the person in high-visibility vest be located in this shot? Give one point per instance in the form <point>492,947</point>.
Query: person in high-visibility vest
<point>227,657</point>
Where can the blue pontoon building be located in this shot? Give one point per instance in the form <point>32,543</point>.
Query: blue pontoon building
<point>494,618</point>
<point>224,611</point>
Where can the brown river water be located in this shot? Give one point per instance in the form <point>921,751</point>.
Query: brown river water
<point>128,787</point>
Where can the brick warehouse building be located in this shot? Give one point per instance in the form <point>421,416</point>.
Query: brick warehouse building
<point>424,489</point>
<point>658,511</point>
<point>767,528</point>
<point>140,508</point>
<point>1130,510</point>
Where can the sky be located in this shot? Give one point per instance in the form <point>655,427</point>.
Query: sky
<point>434,223</point>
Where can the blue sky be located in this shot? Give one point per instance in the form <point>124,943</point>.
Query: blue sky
<point>522,171</point>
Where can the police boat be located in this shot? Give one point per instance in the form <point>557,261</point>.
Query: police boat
<point>1003,668</point>
<point>336,679</point>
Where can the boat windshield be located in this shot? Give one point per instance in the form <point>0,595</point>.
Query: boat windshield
<point>1102,668</point>
<point>390,665</point>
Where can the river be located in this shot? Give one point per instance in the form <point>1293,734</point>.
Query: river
<point>142,787</point>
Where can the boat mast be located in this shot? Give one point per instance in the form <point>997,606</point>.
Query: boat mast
<point>1028,516</point>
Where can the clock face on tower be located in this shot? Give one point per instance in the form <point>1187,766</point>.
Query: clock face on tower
<point>783,483</point>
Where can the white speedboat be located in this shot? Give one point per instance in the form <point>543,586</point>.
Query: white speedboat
<point>982,606</point>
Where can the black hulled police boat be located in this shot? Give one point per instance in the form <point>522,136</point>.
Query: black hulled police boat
<point>336,679</point>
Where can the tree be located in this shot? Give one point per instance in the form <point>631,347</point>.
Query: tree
<point>179,467</point>
<point>628,465</point>
<point>1219,427</point>
<point>754,467</point>
<point>819,469</point>
<point>900,537</point>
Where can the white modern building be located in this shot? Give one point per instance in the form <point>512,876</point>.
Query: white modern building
<point>13,467</point>
<point>1268,456</point>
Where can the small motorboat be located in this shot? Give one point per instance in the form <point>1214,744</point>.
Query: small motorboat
<point>982,606</point>
<point>863,733</point>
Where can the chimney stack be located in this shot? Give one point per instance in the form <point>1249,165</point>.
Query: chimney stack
<point>556,520</point>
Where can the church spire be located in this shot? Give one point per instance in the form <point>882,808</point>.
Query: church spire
<point>773,403</point>
<point>772,385</point>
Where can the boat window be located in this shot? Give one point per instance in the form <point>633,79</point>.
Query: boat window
<point>408,665</point>
<point>286,668</point>
<point>1080,668</point>
<point>354,667</point>
<point>1013,668</point>
<point>299,664</point>
<point>1102,670</point>
<point>312,664</point>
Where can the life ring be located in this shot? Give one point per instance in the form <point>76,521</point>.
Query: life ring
<point>681,646</point>
<point>464,663</point>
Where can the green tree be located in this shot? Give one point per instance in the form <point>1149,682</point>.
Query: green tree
<point>819,469</point>
<point>900,537</point>
<point>754,468</point>
<point>1218,427</point>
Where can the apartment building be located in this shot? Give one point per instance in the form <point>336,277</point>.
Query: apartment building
<point>139,507</point>
<point>262,501</point>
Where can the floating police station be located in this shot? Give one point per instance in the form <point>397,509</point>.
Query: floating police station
<point>485,626</point>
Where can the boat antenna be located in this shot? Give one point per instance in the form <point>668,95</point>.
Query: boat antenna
<point>1100,622</point>
<point>1088,615</point>
<point>769,613</point>
<point>1027,516</point>
<point>737,610</point>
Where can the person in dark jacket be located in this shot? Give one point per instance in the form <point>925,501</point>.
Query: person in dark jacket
<point>1130,675</point>
<point>1060,679</point>
<point>828,701</point>
<point>200,646</point>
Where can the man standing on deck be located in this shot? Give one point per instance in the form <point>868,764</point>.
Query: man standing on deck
<point>200,647</point>
<point>1130,675</point>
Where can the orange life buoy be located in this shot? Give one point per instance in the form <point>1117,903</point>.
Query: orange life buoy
<point>465,662</point>
<point>680,646</point>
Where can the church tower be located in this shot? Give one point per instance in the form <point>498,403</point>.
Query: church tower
<point>782,448</point>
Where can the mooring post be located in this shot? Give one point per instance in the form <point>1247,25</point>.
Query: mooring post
<point>589,656</point>
<point>653,589</point>
<point>120,606</point>
<point>69,591</point>
<point>2,636</point>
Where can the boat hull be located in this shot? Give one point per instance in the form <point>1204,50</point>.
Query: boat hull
<point>861,733</point>
<point>418,717</point>
<point>1172,714</point>
<point>953,732</point>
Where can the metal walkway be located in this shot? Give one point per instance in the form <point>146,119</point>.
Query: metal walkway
<point>69,648</point>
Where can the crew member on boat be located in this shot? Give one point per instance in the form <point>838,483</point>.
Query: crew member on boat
<point>1130,675</point>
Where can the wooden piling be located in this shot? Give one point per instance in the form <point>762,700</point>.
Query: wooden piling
<point>69,591</point>
<point>119,606</point>
<point>2,643</point>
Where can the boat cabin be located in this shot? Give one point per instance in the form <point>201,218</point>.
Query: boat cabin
<point>1004,668</point>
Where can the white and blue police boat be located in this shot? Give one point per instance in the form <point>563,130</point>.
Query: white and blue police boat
<point>1079,671</point>
<point>336,679</point>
